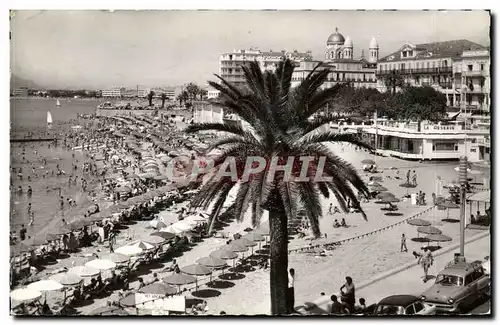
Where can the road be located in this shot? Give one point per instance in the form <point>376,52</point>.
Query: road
<point>483,308</point>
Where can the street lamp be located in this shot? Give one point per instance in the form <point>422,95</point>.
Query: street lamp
<point>464,101</point>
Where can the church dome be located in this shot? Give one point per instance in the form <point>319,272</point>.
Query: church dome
<point>373,43</point>
<point>336,38</point>
<point>348,42</point>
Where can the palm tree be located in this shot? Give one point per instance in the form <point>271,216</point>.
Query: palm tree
<point>163,98</point>
<point>151,94</point>
<point>278,128</point>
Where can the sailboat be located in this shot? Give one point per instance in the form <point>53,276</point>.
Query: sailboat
<point>49,120</point>
<point>57,103</point>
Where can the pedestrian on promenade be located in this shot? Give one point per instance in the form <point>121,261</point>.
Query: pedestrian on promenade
<point>408,177</point>
<point>291,292</point>
<point>348,297</point>
<point>403,243</point>
<point>426,261</point>
<point>414,178</point>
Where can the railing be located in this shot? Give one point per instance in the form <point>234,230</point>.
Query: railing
<point>416,71</point>
<point>474,73</point>
<point>409,127</point>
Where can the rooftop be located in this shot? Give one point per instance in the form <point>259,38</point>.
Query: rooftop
<point>436,50</point>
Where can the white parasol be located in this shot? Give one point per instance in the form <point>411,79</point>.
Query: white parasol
<point>25,295</point>
<point>157,224</point>
<point>45,285</point>
<point>67,279</point>
<point>101,264</point>
<point>129,250</point>
<point>84,271</point>
<point>195,218</point>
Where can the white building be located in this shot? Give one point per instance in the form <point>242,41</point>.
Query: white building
<point>212,93</point>
<point>447,67</point>
<point>230,63</point>
<point>114,92</point>
<point>433,141</point>
<point>207,113</point>
<point>143,92</point>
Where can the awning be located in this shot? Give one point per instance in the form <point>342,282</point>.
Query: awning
<point>483,196</point>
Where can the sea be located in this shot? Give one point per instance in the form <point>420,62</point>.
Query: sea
<point>31,115</point>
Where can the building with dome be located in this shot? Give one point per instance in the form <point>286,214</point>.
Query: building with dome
<point>340,59</point>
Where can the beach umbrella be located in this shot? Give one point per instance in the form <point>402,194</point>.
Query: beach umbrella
<point>67,279</point>
<point>117,258</point>
<point>254,237</point>
<point>378,189</point>
<point>163,234</point>
<point>158,288</point>
<point>388,199</point>
<point>52,237</point>
<point>99,216</point>
<point>184,225</point>
<point>224,254</point>
<point>196,269</point>
<point>77,225</point>
<point>368,162</point>
<point>211,262</point>
<point>179,279</point>
<point>25,295</point>
<point>429,230</point>
<point>373,183</point>
<point>108,311</point>
<point>407,185</point>
<point>418,222</point>
<point>238,248</point>
<point>157,224</point>
<point>84,271</point>
<point>438,237</point>
<point>141,244</point>
<point>171,229</point>
<point>101,264</point>
<point>155,240</point>
<point>45,285</point>
<point>119,206</point>
<point>244,242</point>
<point>383,195</point>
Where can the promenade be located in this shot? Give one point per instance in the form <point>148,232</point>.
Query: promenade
<point>406,280</point>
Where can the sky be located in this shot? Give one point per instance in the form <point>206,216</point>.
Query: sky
<point>101,49</point>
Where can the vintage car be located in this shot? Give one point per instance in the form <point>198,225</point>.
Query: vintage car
<point>403,305</point>
<point>457,285</point>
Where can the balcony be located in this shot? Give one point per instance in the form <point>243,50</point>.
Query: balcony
<point>475,73</point>
<point>447,70</point>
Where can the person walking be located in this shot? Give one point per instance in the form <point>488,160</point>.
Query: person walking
<point>414,178</point>
<point>403,243</point>
<point>291,292</point>
<point>426,261</point>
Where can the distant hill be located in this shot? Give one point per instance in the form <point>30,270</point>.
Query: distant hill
<point>16,82</point>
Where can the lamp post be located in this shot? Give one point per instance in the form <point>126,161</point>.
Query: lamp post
<point>463,188</point>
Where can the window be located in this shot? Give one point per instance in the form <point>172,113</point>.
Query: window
<point>473,150</point>
<point>445,63</point>
<point>409,310</point>
<point>482,67</point>
<point>404,54</point>
<point>433,64</point>
<point>469,67</point>
<point>428,65</point>
<point>469,279</point>
<point>444,146</point>
<point>230,56</point>
<point>418,307</point>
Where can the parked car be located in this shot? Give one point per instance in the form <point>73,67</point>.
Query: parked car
<point>403,305</point>
<point>456,286</point>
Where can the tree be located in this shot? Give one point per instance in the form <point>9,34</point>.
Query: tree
<point>420,104</point>
<point>203,93</point>
<point>183,97</point>
<point>278,128</point>
<point>393,80</point>
<point>192,90</point>
<point>150,97</point>
<point>163,98</point>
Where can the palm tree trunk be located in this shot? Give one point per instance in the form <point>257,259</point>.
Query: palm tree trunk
<point>278,253</point>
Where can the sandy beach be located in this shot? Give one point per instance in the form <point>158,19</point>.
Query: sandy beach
<point>361,259</point>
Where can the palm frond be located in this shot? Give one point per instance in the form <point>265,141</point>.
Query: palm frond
<point>309,197</point>
<point>229,128</point>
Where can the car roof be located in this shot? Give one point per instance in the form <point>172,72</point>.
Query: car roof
<point>460,269</point>
<point>398,300</point>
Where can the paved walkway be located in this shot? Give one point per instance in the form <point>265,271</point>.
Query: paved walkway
<point>408,281</point>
